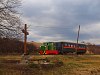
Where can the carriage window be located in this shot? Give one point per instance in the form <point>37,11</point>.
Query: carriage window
<point>71,45</point>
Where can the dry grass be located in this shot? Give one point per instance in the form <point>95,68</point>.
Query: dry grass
<point>73,65</point>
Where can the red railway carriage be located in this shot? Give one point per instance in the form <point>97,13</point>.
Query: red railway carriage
<point>68,47</point>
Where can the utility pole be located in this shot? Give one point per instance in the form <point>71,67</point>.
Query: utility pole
<point>25,38</point>
<point>77,39</point>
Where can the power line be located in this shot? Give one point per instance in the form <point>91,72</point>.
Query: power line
<point>55,27</point>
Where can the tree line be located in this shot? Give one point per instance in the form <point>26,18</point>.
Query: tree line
<point>14,46</point>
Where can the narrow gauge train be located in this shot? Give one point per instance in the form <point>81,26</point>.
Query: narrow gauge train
<point>62,48</point>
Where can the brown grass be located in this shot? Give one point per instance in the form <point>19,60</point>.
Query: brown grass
<point>73,65</point>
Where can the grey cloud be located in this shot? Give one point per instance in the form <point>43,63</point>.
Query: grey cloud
<point>64,16</point>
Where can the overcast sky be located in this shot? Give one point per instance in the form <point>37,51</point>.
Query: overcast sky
<point>58,20</point>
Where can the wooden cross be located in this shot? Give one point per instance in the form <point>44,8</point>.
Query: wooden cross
<point>25,38</point>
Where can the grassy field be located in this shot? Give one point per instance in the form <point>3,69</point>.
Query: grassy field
<point>72,65</point>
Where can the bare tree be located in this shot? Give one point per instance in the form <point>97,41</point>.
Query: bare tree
<point>10,24</point>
